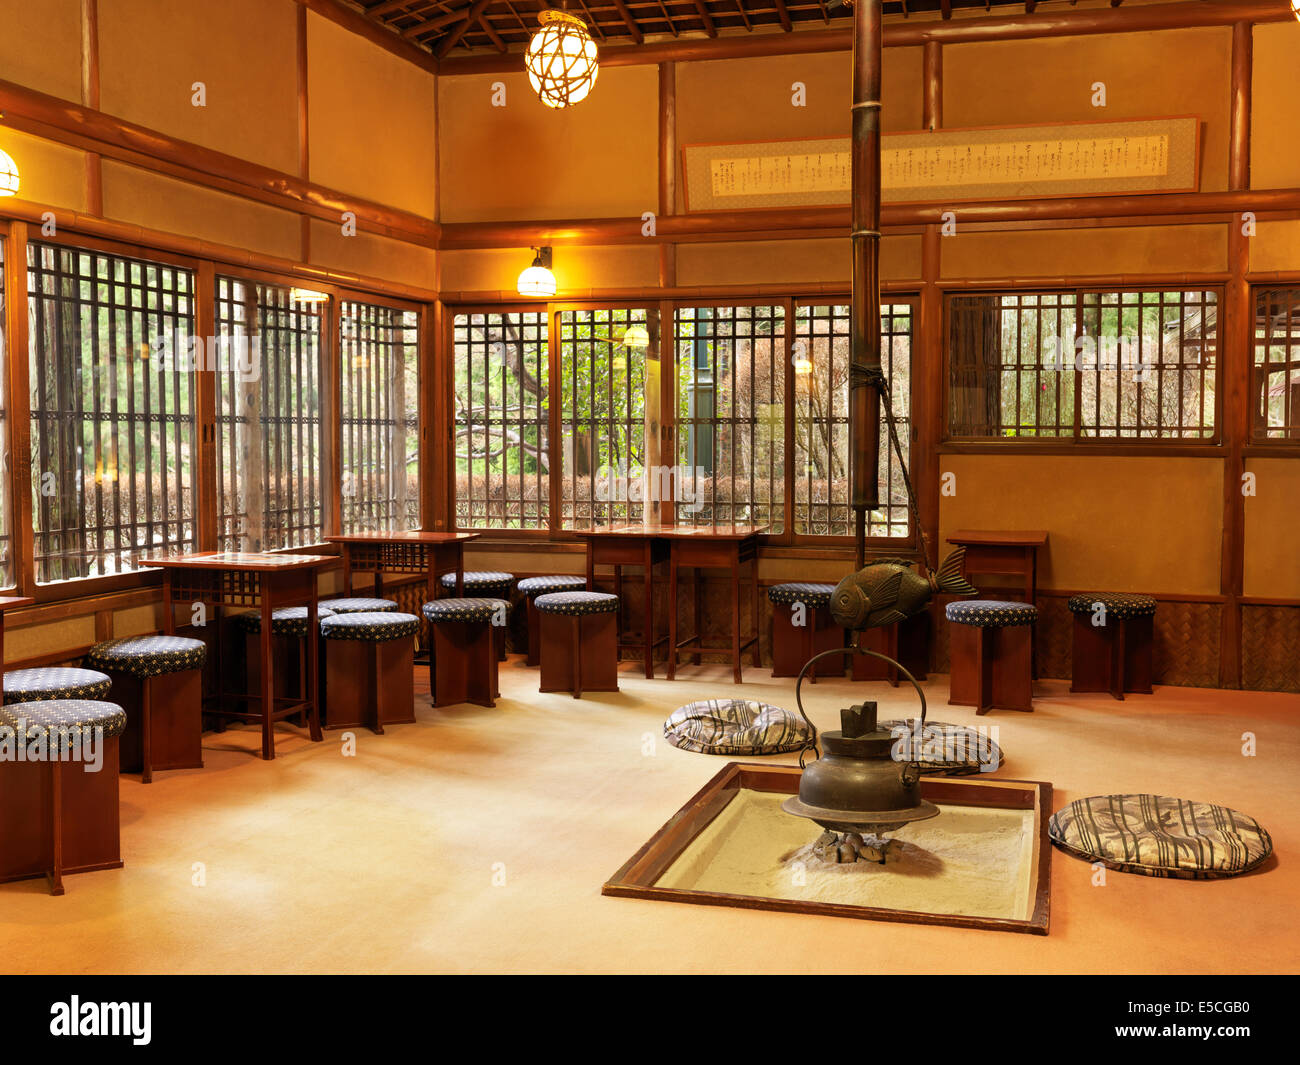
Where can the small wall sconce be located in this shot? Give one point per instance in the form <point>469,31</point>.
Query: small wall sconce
<point>537,280</point>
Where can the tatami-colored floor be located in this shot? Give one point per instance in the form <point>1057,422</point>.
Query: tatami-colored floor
<point>477,840</point>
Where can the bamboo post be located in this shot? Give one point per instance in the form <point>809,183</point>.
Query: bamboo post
<point>864,328</point>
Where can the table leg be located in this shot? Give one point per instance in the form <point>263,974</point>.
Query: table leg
<point>169,608</point>
<point>347,570</point>
<point>56,827</point>
<point>311,689</point>
<point>268,680</point>
<point>697,588</point>
<point>755,656</point>
<point>650,613</point>
<point>672,614</point>
<point>735,617</point>
<point>460,571</point>
<point>1033,600</point>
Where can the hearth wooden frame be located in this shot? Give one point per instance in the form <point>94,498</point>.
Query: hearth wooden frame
<point>638,876</point>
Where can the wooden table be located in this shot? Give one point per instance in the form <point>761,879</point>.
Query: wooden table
<point>250,579</point>
<point>8,602</point>
<point>432,553</point>
<point>695,547</point>
<point>1013,554</point>
<point>726,547</point>
<point>629,545</point>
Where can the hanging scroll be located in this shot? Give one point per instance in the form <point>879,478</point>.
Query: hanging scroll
<point>953,166</point>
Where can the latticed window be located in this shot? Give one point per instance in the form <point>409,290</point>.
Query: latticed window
<point>602,415</point>
<point>823,487</point>
<point>379,418</point>
<point>1276,386</point>
<point>1113,365</point>
<point>502,405</point>
<point>112,410</point>
<point>271,463</point>
<point>731,415</point>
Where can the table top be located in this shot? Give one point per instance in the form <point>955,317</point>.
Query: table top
<point>671,532</point>
<point>403,537</point>
<point>239,560</point>
<point>12,602</point>
<point>1014,538</point>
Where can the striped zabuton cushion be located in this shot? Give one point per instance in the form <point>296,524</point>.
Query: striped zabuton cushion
<point>1156,835</point>
<point>735,726</point>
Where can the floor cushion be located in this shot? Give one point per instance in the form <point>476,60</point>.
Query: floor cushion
<point>1156,835</point>
<point>948,750</point>
<point>735,726</point>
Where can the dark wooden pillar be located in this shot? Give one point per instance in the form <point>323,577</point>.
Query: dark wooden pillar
<point>864,331</point>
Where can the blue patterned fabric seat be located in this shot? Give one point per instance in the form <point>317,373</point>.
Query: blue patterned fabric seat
<point>373,627</point>
<point>735,726</point>
<point>576,604</point>
<point>286,621</point>
<point>560,582</point>
<point>482,583</point>
<point>1119,605</point>
<point>55,682</point>
<point>464,609</point>
<point>990,613</point>
<point>352,605</point>
<point>815,596</point>
<point>65,722</point>
<point>148,656</point>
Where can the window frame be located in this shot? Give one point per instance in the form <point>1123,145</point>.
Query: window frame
<point>1076,443</point>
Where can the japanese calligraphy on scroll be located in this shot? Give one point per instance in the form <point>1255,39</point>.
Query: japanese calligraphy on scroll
<point>952,166</point>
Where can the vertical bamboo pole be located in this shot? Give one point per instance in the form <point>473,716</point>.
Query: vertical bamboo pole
<point>23,537</point>
<point>864,329</point>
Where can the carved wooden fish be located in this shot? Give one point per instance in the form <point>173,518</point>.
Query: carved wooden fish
<point>889,590</point>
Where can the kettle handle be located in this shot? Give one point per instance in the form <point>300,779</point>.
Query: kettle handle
<point>798,697</point>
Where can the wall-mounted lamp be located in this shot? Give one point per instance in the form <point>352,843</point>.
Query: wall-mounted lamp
<point>538,280</point>
<point>8,175</point>
<point>306,295</point>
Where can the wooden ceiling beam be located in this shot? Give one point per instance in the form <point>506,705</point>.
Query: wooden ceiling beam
<point>783,13</point>
<point>629,21</point>
<point>492,34</point>
<point>453,36</point>
<point>1069,23</point>
<point>706,20</point>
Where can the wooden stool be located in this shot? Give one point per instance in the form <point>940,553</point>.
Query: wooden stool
<point>60,811</point>
<point>794,644</point>
<point>1112,643</point>
<point>158,681</point>
<point>369,669</point>
<point>486,584</point>
<point>991,642</point>
<point>907,642</point>
<point>531,588</point>
<point>56,682</point>
<point>463,666</point>
<point>289,632</point>
<point>579,638</point>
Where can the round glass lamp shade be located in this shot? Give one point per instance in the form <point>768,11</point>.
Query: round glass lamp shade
<point>536,281</point>
<point>636,338</point>
<point>561,59</point>
<point>8,175</point>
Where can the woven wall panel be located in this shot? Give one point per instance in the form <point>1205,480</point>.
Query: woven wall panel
<point>1270,648</point>
<point>1186,649</point>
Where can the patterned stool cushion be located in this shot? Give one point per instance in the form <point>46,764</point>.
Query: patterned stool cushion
<point>148,656</point>
<point>577,604</point>
<point>347,605</point>
<point>465,609</point>
<point>55,682</point>
<point>990,613</point>
<point>735,726</point>
<point>1156,835</point>
<point>1119,605</point>
<point>944,749</point>
<point>482,582</point>
<point>286,621</point>
<point>65,722</point>
<point>373,626</point>
<point>559,583</point>
<point>811,595</point>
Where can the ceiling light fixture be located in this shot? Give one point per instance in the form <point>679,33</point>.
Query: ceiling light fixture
<point>537,280</point>
<point>561,59</point>
<point>8,175</point>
